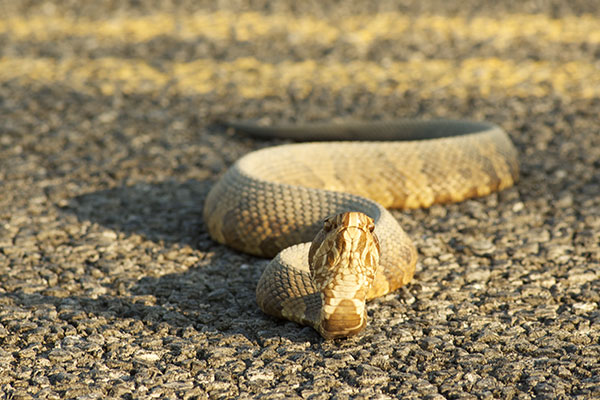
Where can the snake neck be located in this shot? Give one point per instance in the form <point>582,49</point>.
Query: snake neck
<point>343,311</point>
<point>343,260</point>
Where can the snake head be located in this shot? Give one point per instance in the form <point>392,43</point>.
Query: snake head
<point>343,259</point>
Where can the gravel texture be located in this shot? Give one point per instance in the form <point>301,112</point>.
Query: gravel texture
<point>111,288</point>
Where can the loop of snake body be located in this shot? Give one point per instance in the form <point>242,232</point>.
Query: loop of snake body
<point>320,208</point>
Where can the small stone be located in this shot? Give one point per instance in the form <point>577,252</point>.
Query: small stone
<point>585,307</point>
<point>482,247</point>
<point>60,355</point>
<point>146,356</point>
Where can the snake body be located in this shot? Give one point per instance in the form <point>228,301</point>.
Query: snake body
<point>272,202</point>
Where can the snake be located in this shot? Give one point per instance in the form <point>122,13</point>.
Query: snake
<point>320,209</point>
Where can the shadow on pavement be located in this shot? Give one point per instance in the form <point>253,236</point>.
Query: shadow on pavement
<point>167,211</point>
<point>216,294</point>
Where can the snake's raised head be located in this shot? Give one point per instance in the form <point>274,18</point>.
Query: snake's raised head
<point>343,259</point>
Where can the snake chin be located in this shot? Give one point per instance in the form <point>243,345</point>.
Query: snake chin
<point>343,260</point>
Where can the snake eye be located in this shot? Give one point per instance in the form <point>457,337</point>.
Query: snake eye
<point>371,226</point>
<point>330,223</point>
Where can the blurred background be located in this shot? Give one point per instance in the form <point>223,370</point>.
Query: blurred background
<point>249,50</point>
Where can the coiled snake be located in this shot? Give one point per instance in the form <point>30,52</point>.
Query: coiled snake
<point>275,201</point>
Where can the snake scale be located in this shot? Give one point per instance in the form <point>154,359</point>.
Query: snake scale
<point>320,208</point>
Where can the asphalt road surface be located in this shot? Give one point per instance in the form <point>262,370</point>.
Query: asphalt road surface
<point>110,286</point>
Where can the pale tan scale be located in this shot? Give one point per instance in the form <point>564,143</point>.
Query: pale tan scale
<point>274,201</point>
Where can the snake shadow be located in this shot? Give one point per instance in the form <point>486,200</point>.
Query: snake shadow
<point>216,294</point>
<point>166,212</point>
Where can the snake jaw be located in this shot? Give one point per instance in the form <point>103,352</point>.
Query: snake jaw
<point>343,260</point>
